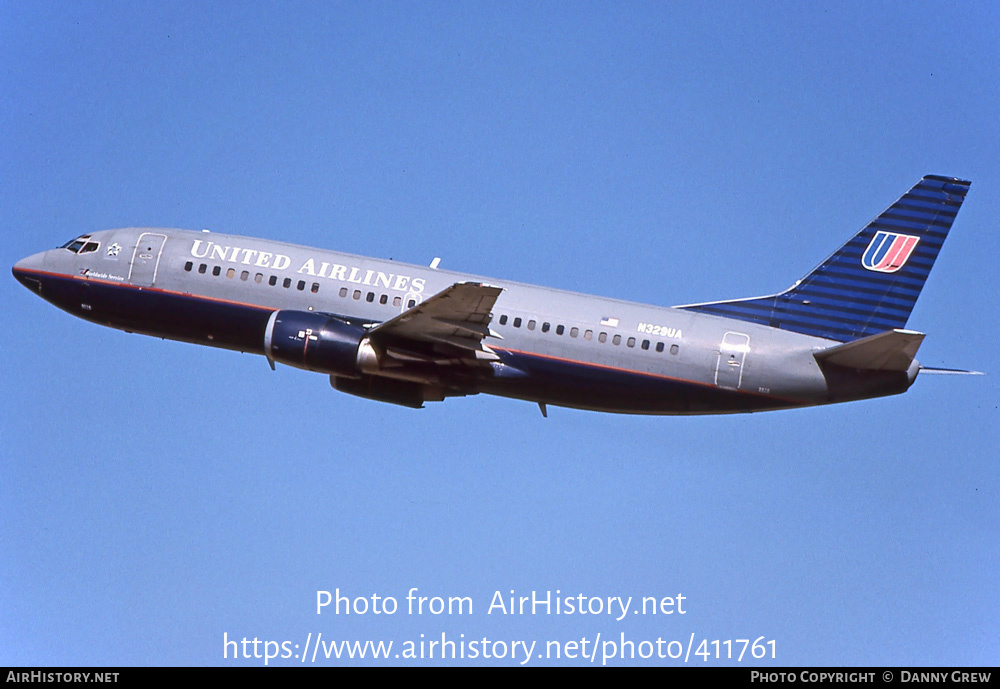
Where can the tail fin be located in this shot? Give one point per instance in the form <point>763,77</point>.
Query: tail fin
<point>871,283</point>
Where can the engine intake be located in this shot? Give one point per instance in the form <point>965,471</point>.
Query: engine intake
<point>321,343</point>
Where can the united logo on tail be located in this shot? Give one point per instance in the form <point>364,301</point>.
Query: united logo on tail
<point>871,283</point>
<point>888,251</point>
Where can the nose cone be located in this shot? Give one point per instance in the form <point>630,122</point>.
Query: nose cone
<point>26,271</point>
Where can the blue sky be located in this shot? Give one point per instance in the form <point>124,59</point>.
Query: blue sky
<point>156,496</point>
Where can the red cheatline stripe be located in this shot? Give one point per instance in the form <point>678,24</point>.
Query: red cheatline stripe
<point>513,351</point>
<point>658,376</point>
<point>142,288</point>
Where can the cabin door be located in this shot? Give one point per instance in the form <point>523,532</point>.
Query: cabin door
<point>146,258</point>
<point>732,356</point>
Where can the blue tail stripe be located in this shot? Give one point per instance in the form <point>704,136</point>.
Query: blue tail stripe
<point>816,316</point>
<point>919,206</point>
<point>858,305</point>
<point>907,224</point>
<point>921,214</point>
<point>845,280</point>
<point>861,295</point>
<point>827,329</point>
<point>864,289</point>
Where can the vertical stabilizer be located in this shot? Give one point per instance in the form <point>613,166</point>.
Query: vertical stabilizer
<point>871,283</point>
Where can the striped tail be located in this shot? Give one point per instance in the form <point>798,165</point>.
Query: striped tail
<point>871,283</point>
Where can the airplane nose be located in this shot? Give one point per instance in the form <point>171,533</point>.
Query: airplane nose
<point>25,269</point>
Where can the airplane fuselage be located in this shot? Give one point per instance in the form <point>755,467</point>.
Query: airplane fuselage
<point>547,346</point>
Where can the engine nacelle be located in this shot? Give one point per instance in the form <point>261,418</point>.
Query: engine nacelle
<point>321,343</point>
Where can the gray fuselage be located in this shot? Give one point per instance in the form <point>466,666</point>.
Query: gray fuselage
<point>557,347</point>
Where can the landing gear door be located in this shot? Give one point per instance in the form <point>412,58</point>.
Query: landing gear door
<point>146,258</point>
<point>732,355</point>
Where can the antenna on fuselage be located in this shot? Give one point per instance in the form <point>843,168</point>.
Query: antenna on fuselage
<point>435,262</point>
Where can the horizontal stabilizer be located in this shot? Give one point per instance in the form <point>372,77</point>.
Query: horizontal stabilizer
<point>950,371</point>
<point>892,350</point>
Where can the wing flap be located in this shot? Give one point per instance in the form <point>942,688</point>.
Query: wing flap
<point>457,317</point>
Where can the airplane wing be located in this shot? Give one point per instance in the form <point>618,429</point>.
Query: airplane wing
<point>452,323</point>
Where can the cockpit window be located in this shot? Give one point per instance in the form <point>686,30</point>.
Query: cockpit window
<point>81,245</point>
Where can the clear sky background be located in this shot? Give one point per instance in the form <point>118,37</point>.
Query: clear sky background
<point>155,496</point>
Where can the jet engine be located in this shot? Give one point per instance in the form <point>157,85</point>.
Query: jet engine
<point>319,342</point>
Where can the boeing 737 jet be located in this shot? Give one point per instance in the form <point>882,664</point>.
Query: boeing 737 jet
<point>410,334</point>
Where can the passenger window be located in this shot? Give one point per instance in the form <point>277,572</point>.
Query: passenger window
<point>258,278</point>
<point>531,325</point>
<point>616,340</point>
<point>560,330</point>
<point>286,283</point>
<point>573,332</point>
<point>503,319</point>
<point>410,304</point>
<point>545,327</point>
<point>244,275</point>
<point>517,322</point>
<point>588,335</point>
<point>384,299</point>
<point>202,268</point>
<point>674,349</point>
<point>631,342</point>
<point>357,295</point>
<point>370,297</point>
<point>216,271</point>
<point>301,286</point>
<point>602,338</point>
<point>343,292</point>
<point>231,273</point>
<point>397,302</point>
<point>645,344</point>
<point>659,346</point>
<point>273,280</point>
<point>315,287</point>
<point>188,266</point>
